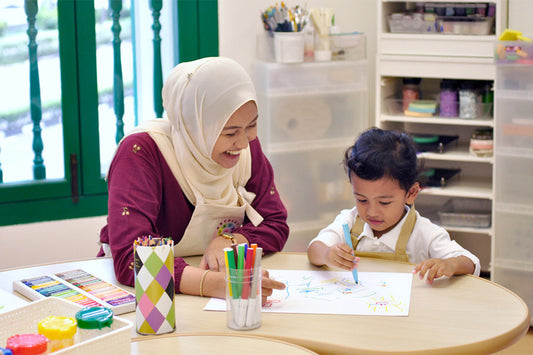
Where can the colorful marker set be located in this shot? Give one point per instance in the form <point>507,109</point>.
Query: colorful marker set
<point>243,296</point>
<point>78,287</point>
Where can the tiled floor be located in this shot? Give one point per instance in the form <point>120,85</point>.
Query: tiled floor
<point>523,346</point>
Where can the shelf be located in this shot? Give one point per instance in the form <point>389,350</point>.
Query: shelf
<point>487,231</point>
<point>513,264</point>
<point>319,90</point>
<point>463,187</point>
<point>513,152</point>
<point>433,57</point>
<point>507,94</point>
<point>456,153</point>
<point>438,120</point>
<point>514,208</point>
<point>438,44</point>
<point>465,1</point>
<point>424,66</point>
<point>310,145</point>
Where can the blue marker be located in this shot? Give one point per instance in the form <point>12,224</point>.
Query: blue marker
<point>348,239</point>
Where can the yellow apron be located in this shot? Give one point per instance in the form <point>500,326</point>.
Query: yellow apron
<point>399,254</point>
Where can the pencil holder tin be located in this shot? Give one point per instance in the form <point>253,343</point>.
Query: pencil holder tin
<point>154,286</point>
<point>243,298</point>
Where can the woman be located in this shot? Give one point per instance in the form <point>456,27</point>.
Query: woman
<point>198,177</point>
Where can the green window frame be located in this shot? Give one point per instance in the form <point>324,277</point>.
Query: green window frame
<point>47,200</point>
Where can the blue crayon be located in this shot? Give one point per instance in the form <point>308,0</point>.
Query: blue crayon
<point>348,239</point>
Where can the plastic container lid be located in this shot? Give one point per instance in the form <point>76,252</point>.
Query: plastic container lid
<point>425,138</point>
<point>94,317</point>
<point>57,328</point>
<point>27,344</point>
<point>446,84</point>
<point>413,81</point>
<point>469,85</point>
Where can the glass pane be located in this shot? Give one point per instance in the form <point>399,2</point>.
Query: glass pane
<point>17,127</point>
<point>107,118</point>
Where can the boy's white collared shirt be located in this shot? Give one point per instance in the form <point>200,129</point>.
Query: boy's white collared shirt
<point>427,241</point>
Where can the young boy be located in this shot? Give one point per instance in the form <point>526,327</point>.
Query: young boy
<point>382,168</point>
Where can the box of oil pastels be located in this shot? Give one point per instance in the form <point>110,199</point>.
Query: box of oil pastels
<point>25,321</point>
<point>80,287</point>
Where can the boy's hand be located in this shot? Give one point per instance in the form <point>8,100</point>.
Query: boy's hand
<point>341,256</point>
<point>435,268</point>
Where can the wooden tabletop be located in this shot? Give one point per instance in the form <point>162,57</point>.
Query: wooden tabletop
<point>214,343</point>
<point>459,315</point>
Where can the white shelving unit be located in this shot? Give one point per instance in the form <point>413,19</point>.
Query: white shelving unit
<point>513,202</point>
<point>433,57</point>
<point>310,113</point>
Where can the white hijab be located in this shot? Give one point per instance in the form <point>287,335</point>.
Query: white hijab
<point>199,97</point>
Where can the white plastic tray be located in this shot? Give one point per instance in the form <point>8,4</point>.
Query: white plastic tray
<point>25,319</point>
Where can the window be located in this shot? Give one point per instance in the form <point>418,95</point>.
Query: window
<point>54,153</point>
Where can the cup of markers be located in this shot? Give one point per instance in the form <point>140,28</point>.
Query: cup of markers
<point>243,286</point>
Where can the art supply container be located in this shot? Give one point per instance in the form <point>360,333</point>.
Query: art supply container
<point>243,299</point>
<point>60,331</point>
<point>482,143</point>
<point>468,100</point>
<point>322,19</point>
<point>410,91</point>
<point>28,344</point>
<point>154,286</point>
<point>93,322</point>
<point>289,47</point>
<point>449,99</point>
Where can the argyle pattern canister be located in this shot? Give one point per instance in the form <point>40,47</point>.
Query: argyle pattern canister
<point>154,288</point>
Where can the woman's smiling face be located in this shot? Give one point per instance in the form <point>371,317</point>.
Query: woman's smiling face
<point>240,129</point>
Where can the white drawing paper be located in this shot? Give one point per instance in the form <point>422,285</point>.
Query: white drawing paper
<point>335,292</point>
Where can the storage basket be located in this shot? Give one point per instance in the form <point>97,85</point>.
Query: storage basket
<point>25,319</point>
<point>463,212</point>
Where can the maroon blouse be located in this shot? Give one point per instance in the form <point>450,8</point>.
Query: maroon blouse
<point>146,199</point>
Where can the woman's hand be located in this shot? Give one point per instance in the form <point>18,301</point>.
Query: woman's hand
<point>213,258</point>
<point>268,285</point>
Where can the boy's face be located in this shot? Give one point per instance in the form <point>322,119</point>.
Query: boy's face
<point>380,203</point>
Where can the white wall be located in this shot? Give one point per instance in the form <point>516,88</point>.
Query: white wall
<point>239,25</point>
<point>38,243</point>
<point>520,16</point>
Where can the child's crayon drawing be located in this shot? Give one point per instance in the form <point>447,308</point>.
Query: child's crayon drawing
<point>336,292</point>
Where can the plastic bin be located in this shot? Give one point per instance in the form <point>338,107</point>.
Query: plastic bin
<point>25,319</point>
<point>461,212</point>
<point>411,23</point>
<point>350,46</point>
<point>514,52</point>
<point>308,76</point>
<point>459,25</point>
